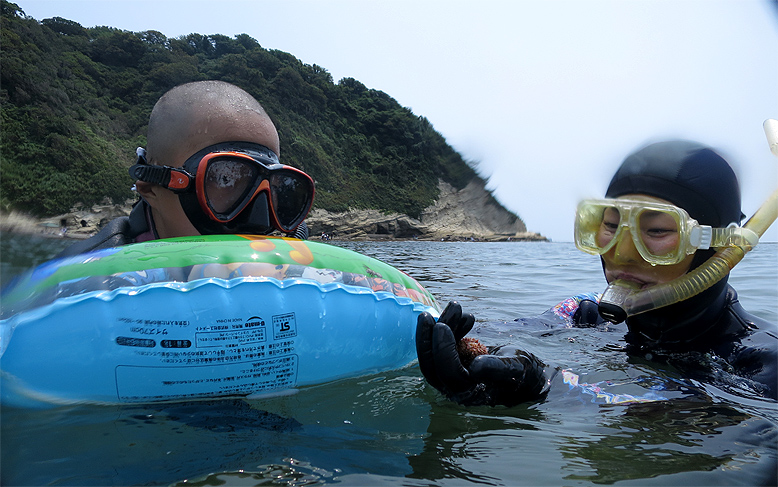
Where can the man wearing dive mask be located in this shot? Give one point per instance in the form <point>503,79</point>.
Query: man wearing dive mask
<point>667,209</point>
<point>210,167</point>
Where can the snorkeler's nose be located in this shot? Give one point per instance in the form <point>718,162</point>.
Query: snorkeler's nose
<point>625,252</point>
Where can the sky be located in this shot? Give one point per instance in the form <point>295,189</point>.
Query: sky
<point>545,97</point>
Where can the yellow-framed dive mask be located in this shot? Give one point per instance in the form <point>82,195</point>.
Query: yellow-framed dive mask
<point>663,234</point>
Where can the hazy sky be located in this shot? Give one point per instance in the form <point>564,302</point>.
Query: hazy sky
<point>546,96</point>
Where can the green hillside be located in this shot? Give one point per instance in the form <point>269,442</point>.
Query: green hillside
<point>75,103</point>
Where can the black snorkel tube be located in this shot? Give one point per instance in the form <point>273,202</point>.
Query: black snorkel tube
<point>623,299</point>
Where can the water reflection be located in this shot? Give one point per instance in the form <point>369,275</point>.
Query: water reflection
<point>677,437</point>
<point>392,429</point>
<point>664,443</point>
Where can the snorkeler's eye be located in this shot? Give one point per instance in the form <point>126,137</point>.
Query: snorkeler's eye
<point>610,226</point>
<point>657,225</point>
<point>659,232</point>
<point>610,219</point>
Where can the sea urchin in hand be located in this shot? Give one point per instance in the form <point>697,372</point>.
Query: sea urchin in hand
<point>470,348</point>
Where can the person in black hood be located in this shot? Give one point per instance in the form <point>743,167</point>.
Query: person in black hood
<point>697,179</point>
<point>643,232</point>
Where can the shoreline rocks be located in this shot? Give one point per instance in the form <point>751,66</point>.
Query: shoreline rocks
<point>457,215</point>
<point>468,214</point>
<point>375,225</point>
<point>77,224</point>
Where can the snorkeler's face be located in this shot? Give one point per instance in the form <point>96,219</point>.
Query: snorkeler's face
<point>623,261</point>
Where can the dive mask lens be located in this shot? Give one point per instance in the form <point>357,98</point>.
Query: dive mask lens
<point>229,185</point>
<point>291,195</point>
<point>657,230</point>
<point>659,233</point>
<point>597,226</point>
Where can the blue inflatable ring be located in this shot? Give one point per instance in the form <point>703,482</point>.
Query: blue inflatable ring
<point>201,317</point>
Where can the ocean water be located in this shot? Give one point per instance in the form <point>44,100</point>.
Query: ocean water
<point>392,429</point>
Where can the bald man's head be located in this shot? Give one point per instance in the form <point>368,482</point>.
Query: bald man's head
<point>196,115</point>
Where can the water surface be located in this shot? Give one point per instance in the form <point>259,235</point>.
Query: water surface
<point>392,429</point>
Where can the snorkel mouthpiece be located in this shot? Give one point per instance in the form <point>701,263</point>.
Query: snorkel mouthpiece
<point>613,304</point>
<point>623,299</point>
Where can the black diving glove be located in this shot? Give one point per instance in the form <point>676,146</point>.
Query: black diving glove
<point>588,314</point>
<point>452,364</point>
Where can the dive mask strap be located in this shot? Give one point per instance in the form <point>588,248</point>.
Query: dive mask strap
<point>174,179</point>
<point>704,237</point>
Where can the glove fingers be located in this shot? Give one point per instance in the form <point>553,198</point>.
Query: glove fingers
<point>463,326</point>
<point>451,314</point>
<point>424,325</point>
<point>460,322</point>
<point>587,314</point>
<point>448,367</point>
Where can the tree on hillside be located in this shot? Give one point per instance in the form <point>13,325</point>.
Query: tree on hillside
<point>76,101</point>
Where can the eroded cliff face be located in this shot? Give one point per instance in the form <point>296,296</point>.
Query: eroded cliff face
<point>456,215</point>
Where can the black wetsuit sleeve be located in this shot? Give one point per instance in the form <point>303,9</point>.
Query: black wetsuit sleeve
<point>118,232</point>
<point>755,357</point>
<point>112,235</point>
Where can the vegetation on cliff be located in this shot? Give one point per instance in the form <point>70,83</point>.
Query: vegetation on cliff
<point>75,103</point>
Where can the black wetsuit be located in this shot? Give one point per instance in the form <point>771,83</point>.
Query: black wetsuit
<point>709,337</point>
<point>119,231</point>
<point>127,229</point>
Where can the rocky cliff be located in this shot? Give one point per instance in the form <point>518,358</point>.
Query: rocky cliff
<point>465,214</point>
<point>456,215</point>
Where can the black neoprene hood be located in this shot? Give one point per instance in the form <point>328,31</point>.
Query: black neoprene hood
<point>689,175</point>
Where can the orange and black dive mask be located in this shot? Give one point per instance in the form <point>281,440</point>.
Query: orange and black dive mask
<point>234,187</point>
